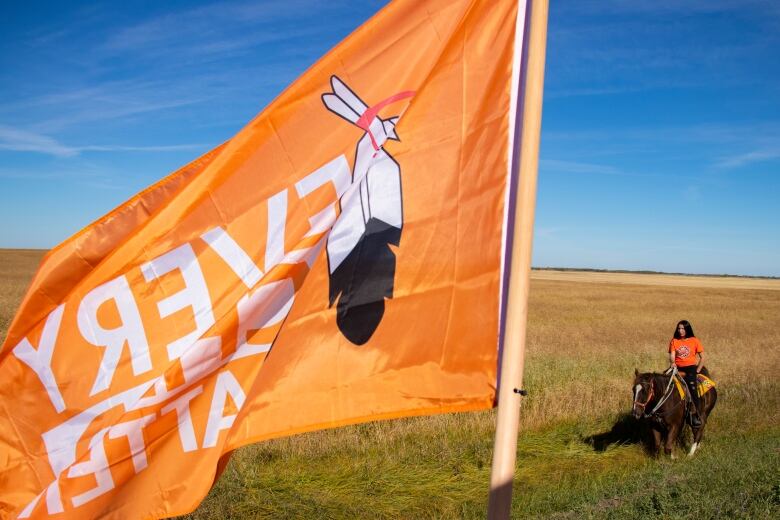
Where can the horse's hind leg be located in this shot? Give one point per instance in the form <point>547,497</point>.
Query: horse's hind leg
<point>671,436</point>
<point>707,404</point>
<point>697,434</point>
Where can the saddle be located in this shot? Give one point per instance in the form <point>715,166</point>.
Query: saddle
<point>703,384</point>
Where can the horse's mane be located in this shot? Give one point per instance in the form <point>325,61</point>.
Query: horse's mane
<point>661,378</point>
<point>646,376</point>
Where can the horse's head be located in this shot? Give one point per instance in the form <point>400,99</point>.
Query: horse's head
<point>644,392</point>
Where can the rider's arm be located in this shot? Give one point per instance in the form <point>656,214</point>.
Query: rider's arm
<point>671,358</point>
<point>700,363</point>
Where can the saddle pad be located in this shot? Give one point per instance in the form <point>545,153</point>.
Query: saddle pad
<point>680,389</point>
<point>704,385</point>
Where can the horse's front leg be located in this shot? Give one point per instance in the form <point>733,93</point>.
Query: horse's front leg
<point>671,436</point>
<point>656,441</point>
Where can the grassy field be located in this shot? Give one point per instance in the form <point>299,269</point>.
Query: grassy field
<point>17,267</point>
<point>579,456</point>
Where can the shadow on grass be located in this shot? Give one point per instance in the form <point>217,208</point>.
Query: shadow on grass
<point>626,430</point>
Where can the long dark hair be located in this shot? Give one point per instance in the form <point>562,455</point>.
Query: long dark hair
<point>688,330</point>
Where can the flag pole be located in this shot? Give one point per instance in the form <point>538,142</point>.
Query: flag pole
<point>525,161</point>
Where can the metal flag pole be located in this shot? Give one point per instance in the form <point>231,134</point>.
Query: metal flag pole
<point>525,161</point>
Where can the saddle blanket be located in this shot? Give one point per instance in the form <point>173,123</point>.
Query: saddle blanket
<point>704,384</point>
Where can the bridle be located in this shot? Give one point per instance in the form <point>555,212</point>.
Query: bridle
<point>650,395</point>
<point>667,393</point>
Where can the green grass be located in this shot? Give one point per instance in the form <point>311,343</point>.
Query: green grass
<point>576,458</point>
<point>584,340</point>
<point>438,467</point>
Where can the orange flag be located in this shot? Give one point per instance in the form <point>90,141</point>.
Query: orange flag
<point>339,260</point>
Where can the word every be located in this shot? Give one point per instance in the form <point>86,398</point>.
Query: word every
<point>264,305</point>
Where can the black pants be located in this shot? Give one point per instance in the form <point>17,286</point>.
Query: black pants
<point>690,380</point>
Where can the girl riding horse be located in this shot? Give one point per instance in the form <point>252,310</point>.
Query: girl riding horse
<point>657,400</point>
<point>687,354</point>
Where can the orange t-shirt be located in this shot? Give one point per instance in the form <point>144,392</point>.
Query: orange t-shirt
<point>685,351</point>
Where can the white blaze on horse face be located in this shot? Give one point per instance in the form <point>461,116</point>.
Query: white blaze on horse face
<point>637,389</point>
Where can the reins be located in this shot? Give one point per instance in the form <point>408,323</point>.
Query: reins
<point>667,393</point>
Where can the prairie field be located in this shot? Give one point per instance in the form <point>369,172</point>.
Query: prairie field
<point>579,454</point>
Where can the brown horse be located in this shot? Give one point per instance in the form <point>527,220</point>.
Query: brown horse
<point>657,400</point>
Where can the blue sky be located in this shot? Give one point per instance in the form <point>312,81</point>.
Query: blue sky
<point>660,142</point>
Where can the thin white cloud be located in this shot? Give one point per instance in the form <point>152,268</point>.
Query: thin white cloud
<point>600,45</point>
<point>744,159</point>
<point>546,232</point>
<point>578,167</point>
<point>82,171</point>
<point>673,6</point>
<point>587,91</point>
<point>122,148</point>
<point>218,27</point>
<point>765,134</point>
<point>19,140</point>
<point>107,111</point>
<point>110,101</point>
<point>586,168</point>
<point>15,139</point>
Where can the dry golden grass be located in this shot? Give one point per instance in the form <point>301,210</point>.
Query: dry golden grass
<point>714,282</point>
<point>586,334</point>
<point>587,331</point>
<point>585,339</point>
<point>17,267</point>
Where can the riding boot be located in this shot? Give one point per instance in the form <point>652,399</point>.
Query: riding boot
<point>695,404</point>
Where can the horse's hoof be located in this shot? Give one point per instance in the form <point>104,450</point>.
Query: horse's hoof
<point>693,449</point>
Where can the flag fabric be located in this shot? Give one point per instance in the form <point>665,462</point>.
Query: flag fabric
<point>339,260</point>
